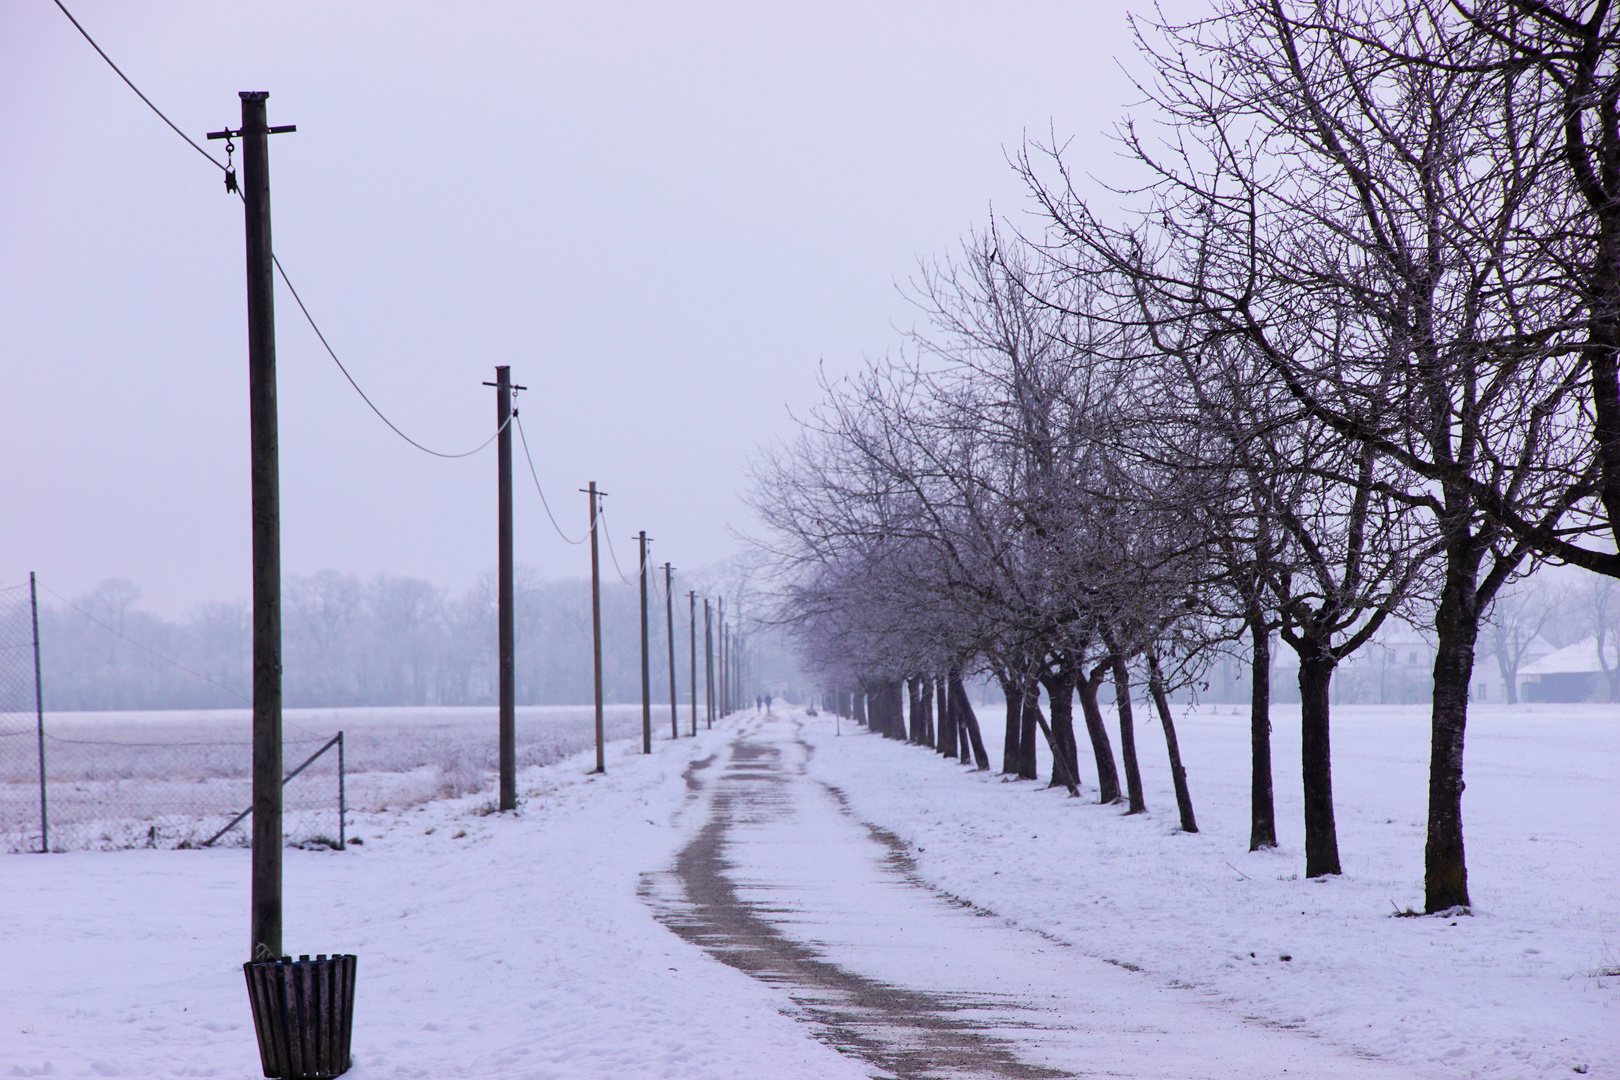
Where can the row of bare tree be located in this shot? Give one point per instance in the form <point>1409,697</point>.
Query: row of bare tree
<point>388,640</point>
<point>1347,350</point>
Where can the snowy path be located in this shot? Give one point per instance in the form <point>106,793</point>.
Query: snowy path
<point>783,882</point>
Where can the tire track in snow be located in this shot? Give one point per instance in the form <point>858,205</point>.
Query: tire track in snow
<point>909,1034</point>
<point>783,881</point>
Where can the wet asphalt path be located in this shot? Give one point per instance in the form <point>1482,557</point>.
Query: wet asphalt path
<point>783,882</point>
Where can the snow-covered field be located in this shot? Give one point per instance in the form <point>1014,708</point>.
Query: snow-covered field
<point>1526,986</point>
<point>167,779</point>
<point>498,946</point>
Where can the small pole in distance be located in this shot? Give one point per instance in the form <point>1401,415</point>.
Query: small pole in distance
<point>39,719</point>
<point>596,629</point>
<point>669,633</point>
<point>691,599</point>
<point>708,663</point>
<point>646,681</point>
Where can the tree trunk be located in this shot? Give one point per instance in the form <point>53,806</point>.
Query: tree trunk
<point>1032,715</point>
<point>914,708</point>
<point>1456,624</point>
<point>860,705</point>
<point>1060,698</point>
<point>964,752</point>
<point>1508,671</point>
<point>1031,711</point>
<point>895,710</point>
<point>1262,808</point>
<point>947,720</point>
<point>1316,664</point>
<point>1177,774</point>
<point>1127,734</point>
<point>927,700</point>
<point>970,723</point>
<point>1101,749</point>
<point>1011,689</point>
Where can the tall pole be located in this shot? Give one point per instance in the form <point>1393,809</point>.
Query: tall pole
<point>39,718</point>
<point>669,633</point>
<point>266,488</point>
<point>646,681</point>
<point>708,664</point>
<point>596,632</point>
<point>507,633</point>
<point>691,601</point>
<point>720,654</point>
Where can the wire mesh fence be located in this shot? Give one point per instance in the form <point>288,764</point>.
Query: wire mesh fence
<point>21,734</point>
<point>104,781</point>
<point>119,781</point>
<point>109,780</point>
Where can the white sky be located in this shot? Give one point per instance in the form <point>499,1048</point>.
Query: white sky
<point>662,217</point>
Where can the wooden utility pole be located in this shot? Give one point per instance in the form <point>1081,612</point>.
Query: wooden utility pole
<point>708,664</point>
<point>646,681</point>
<point>720,655</point>
<point>507,663</point>
<point>265,930</point>
<point>596,630</point>
<point>691,601</point>
<point>669,633</point>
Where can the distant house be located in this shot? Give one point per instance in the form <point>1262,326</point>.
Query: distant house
<point>1573,673</point>
<point>1488,682</point>
<point>1395,668</point>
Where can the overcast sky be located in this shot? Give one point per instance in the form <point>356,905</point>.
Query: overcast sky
<point>662,217</point>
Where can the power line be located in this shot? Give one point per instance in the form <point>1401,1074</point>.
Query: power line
<point>147,649</point>
<point>537,487</point>
<point>279,268</point>
<point>285,280</point>
<point>609,534</point>
<point>120,634</point>
<point>116,742</point>
<point>137,89</point>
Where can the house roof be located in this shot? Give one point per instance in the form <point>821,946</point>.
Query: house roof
<point>1579,658</point>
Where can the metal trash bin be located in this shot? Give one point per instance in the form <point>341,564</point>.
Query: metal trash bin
<point>303,1012</point>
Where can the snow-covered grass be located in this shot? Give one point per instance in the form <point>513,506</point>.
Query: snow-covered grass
<point>490,946</point>
<point>165,779</point>
<point>1516,989</point>
<point>515,946</point>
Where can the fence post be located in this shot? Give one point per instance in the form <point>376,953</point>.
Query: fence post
<point>39,716</point>
<point>343,808</point>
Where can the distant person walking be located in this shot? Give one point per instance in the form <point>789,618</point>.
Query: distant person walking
<point>767,704</point>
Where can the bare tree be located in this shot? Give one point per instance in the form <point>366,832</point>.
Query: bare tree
<point>1516,620</point>
<point>1376,231</point>
<point>1601,616</point>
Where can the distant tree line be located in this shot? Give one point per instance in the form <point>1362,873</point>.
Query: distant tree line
<point>1348,350</point>
<point>386,640</point>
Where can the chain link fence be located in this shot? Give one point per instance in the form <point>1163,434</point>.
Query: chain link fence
<point>105,781</point>
<point>182,777</point>
<point>21,732</point>
<point>117,781</point>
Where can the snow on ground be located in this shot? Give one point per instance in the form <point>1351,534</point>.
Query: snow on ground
<point>489,946</point>
<point>1514,990</point>
<point>170,777</point>
<point>504,946</point>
